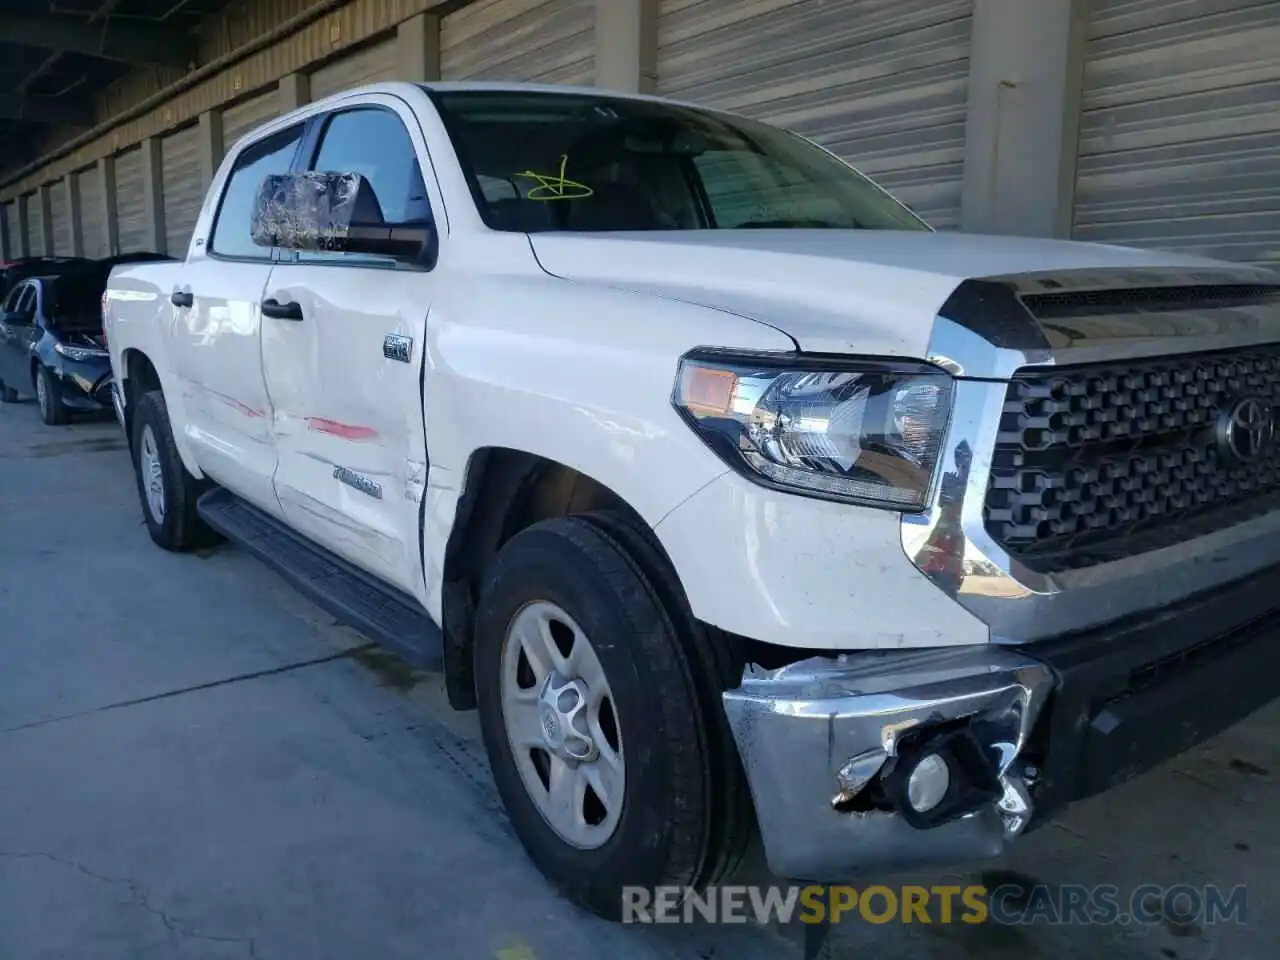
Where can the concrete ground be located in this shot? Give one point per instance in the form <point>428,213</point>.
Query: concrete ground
<point>196,763</point>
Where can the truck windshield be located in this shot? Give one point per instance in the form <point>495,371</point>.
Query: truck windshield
<point>538,161</point>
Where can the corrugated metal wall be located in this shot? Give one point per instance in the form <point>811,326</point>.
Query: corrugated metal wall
<point>8,248</point>
<point>131,201</point>
<point>183,188</point>
<point>60,212</point>
<point>1180,132</point>
<point>35,217</point>
<point>543,41</point>
<point>91,213</point>
<point>883,83</point>
<point>244,116</point>
<point>370,65</point>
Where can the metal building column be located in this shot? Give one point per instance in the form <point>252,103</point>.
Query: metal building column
<point>627,45</point>
<point>294,91</point>
<point>46,220</point>
<point>1025,74</point>
<point>6,247</point>
<point>71,183</point>
<point>110,223</point>
<point>153,196</point>
<point>210,144</point>
<point>418,48</point>
<point>22,247</point>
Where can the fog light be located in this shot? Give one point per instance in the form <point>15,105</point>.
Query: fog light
<point>928,783</point>
<point>942,776</point>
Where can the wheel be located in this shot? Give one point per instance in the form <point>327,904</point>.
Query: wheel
<point>7,393</point>
<point>166,488</point>
<point>591,716</point>
<point>49,397</point>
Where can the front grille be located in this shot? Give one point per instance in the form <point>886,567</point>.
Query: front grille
<point>1096,463</point>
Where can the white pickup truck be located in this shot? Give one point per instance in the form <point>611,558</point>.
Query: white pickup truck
<point>738,501</point>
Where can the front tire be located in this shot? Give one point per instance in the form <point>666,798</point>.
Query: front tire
<point>49,397</point>
<point>584,689</point>
<point>167,490</point>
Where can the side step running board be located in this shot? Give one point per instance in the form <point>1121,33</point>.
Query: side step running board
<point>354,598</point>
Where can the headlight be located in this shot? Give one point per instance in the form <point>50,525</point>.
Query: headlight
<point>864,432</point>
<point>79,353</point>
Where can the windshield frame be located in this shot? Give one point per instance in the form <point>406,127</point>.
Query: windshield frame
<point>910,221</point>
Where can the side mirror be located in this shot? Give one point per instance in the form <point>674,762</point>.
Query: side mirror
<point>335,213</point>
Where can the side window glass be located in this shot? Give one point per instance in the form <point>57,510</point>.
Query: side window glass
<point>231,236</point>
<point>27,305</point>
<point>374,143</point>
<point>11,301</point>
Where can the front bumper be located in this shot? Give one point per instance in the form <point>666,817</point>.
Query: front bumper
<point>85,384</point>
<point>1059,720</point>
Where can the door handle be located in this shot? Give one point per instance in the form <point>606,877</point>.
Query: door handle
<point>281,311</point>
<point>181,298</point>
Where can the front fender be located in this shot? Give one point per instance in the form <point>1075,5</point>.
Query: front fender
<point>576,374</point>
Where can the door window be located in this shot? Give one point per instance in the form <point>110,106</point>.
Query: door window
<point>26,308</point>
<point>231,236</point>
<point>11,301</point>
<point>373,142</point>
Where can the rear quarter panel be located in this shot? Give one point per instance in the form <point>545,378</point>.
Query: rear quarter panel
<point>138,318</point>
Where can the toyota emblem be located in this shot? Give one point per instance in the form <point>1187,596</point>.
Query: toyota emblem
<point>1247,430</point>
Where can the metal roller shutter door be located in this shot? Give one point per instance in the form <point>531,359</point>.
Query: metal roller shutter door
<point>131,202</point>
<point>244,117</point>
<point>92,229</point>
<point>35,236</point>
<point>183,188</point>
<point>533,41</point>
<point>370,65</point>
<point>1180,129</point>
<point>882,83</point>
<point>60,212</point>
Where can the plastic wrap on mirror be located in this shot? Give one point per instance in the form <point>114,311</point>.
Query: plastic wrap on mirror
<point>306,211</point>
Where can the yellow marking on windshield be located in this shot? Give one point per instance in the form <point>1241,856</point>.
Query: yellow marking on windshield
<point>556,187</point>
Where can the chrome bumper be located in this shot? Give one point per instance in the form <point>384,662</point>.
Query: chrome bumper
<point>816,734</point>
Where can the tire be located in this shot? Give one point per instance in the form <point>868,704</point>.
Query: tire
<point>715,670</point>
<point>49,397</point>
<point>7,393</point>
<point>663,830</point>
<point>175,525</point>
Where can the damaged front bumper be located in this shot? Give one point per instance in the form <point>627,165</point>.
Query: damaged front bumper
<point>829,744</point>
<point>825,743</point>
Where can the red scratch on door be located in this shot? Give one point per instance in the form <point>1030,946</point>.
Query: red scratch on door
<point>346,431</point>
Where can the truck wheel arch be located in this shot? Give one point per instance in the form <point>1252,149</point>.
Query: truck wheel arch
<point>141,376</point>
<point>506,491</point>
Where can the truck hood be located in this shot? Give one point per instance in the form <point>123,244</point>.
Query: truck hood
<point>873,292</point>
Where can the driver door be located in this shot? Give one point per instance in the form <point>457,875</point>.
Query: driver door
<point>342,351</point>
<point>17,332</point>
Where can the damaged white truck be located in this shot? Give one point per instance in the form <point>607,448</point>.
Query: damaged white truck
<point>738,501</point>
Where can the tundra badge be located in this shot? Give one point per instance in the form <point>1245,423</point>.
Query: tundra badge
<point>397,347</point>
<point>358,481</point>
